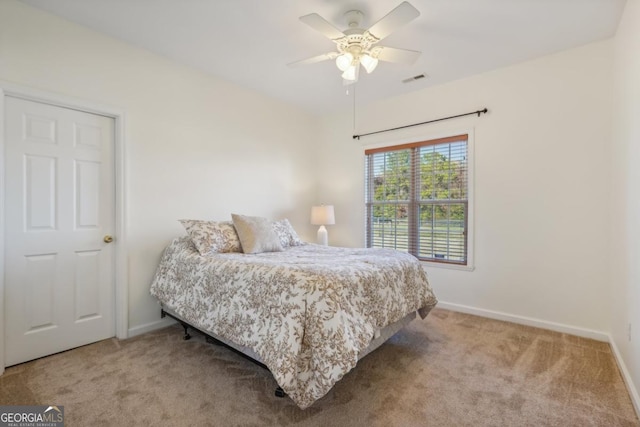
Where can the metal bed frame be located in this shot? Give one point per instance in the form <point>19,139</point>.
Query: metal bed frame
<point>279,392</point>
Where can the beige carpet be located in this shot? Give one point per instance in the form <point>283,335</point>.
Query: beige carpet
<point>452,369</point>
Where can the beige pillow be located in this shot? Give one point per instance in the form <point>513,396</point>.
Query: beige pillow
<point>212,236</point>
<point>256,234</point>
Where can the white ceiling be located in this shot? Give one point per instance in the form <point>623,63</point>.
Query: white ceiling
<point>249,42</point>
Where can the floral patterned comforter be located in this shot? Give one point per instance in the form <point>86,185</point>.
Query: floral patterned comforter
<point>307,311</point>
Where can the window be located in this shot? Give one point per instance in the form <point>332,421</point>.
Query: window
<point>417,199</point>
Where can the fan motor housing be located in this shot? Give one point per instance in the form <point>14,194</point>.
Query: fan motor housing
<point>356,42</point>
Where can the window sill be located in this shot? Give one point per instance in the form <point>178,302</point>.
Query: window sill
<point>447,266</point>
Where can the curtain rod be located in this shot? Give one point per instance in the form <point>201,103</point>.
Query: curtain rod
<point>423,123</point>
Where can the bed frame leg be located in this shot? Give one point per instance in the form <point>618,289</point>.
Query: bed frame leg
<point>280,392</point>
<point>186,331</point>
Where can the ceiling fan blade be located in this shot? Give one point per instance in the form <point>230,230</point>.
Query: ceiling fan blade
<point>393,20</point>
<point>314,59</point>
<point>320,24</point>
<point>392,54</point>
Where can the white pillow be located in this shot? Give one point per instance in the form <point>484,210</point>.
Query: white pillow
<point>256,234</point>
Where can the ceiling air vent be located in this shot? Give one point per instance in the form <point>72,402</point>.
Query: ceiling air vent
<point>414,78</point>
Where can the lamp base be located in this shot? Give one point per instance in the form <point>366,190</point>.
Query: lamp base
<point>323,236</point>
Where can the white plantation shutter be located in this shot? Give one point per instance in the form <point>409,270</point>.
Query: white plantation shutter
<point>417,198</point>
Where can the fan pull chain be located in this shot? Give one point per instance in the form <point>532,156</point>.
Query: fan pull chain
<point>354,108</point>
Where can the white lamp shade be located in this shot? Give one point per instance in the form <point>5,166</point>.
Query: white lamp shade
<point>369,63</point>
<point>323,215</point>
<point>344,61</point>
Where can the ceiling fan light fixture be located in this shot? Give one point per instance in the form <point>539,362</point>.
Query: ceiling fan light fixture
<point>369,63</point>
<point>344,61</point>
<point>351,73</point>
<point>356,45</point>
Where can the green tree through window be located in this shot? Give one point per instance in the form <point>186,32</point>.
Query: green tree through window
<point>417,199</point>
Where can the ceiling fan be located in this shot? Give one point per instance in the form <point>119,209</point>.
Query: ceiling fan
<point>357,46</point>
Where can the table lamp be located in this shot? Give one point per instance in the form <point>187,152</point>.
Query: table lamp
<point>323,215</point>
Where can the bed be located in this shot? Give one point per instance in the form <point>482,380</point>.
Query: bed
<point>307,312</point>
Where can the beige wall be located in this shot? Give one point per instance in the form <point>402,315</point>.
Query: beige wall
<point>625,194</point>
<point>197,146</point>
<point>541,183</point>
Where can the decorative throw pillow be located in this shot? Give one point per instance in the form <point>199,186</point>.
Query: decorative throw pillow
<point>256,234</point>
<point>286,233</point>
<point>212,236</point>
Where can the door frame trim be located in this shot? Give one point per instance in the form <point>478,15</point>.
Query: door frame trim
<point>121,297</point>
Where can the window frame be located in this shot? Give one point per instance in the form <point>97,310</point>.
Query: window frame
<point>432,139</point>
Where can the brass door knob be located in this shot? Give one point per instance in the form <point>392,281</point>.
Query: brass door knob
<point>108,239</point>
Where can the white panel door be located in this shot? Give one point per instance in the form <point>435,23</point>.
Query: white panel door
<point>59,206</point>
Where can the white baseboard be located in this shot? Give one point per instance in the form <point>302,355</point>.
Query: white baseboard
<point>152,326</point>
<point>633,391</point>
<point>558,327</point>
<point>528,321</point>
